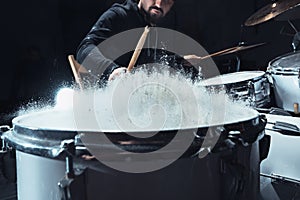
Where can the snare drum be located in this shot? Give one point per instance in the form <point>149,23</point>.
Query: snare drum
<point>285,74</point>
<point>250,86</point>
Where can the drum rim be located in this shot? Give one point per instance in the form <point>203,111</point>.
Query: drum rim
<point>17,124</point>
<point>272,69</point>
<point>32,141</point>
<point>262,74</point>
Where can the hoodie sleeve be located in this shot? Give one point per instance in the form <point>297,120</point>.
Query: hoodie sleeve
<point>89,55</point>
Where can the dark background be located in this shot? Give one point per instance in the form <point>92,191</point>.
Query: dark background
<point>37,36</point>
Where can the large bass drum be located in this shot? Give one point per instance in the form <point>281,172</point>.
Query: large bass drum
<point>285,73</point>
<point>45,155</point>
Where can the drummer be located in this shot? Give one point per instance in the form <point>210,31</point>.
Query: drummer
<point>121,17</point>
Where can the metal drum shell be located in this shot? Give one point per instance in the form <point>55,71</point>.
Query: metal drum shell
<point>254,89</point>
<point>284,72</point>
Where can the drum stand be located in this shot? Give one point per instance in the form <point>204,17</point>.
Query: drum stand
<point>296,36</point>
<point>296,41</point>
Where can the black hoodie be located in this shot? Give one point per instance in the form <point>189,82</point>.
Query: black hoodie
<point>101,60</point>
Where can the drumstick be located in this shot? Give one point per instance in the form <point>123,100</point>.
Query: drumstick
<point>75,66</point>
<point>232,50</point>
<point>138,49</point>
<point>217,53</point>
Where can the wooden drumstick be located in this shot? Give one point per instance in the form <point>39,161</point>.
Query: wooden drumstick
<point>138,49</point>
<point>296,108</point>
<point>76,68</point>
<point>218,53</point>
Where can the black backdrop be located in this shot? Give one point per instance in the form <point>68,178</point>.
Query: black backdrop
<point>37,36</point>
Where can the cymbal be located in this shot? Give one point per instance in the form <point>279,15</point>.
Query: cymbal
<point>270,11</point>
<point>290,14</point>
<point>233,50</point>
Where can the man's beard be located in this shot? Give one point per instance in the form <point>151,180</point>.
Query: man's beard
<point>153,18</point>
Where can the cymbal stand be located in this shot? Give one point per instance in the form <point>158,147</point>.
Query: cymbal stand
<point>296,41</point>
<point>296,38</point>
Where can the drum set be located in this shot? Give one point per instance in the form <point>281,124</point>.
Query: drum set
<point>280,83</point>
<point>50,162</point>
<point>279,86</point>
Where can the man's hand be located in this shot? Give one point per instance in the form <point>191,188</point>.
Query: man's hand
<point>192,60</point>
<point>116,73</point>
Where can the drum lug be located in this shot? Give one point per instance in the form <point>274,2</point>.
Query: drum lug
<point>209,143</point>
<point>266,87</point>
<point>5,147</point>
<point>299,78</point>
<point>269,77</point>
<point>64,185</point>
<point>236,136</point>
<point>73,188</point>
<point>251,93</point>
<point>69,149</point>
<point>72,181</point>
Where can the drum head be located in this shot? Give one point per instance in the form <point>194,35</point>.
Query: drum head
<point>41,133</point>
<point>286,64</point>
<point>233,78</point>
<point>64,121</point>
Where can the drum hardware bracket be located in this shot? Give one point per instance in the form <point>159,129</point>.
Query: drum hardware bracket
<point>64,188</point>
<point>299,77</point>
<point>5,147</point>
<point>269,76</point>
<point>72,180</point>
<point>64,185</point>
<point>266,87</point>
<point>69,147</point>
<point>252,95</point>
<point>273,110</point>
<point>284,128</point>
<point>235,135</point>
<point>208,141</point>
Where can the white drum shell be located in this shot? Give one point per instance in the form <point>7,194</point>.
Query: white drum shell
<point>38,177</point>
<point>286,91</point>
<point>284,151</point>
<point>285,72</point>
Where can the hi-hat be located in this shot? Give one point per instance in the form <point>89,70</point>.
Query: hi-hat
<point>271,10</point>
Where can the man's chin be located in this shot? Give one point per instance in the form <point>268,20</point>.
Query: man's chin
<point>155,18</point>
